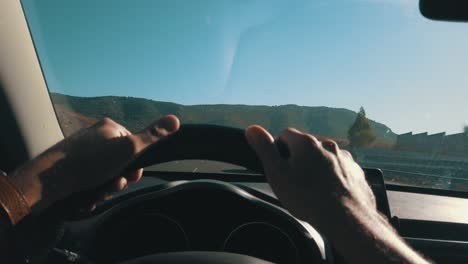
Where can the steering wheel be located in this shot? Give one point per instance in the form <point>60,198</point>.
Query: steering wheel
<point>204,142</point>
<point>216,143</point>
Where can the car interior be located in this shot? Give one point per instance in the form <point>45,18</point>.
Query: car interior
<point>196,217</point>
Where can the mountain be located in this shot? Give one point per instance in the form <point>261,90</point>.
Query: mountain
<point>71,121</point>
<point>135,113</point>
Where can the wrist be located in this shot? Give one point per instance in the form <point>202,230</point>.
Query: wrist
<point>35,182</point>
<point>28,186</point>
<point>349,216</point>
<point>12,201</point>
<point>367,230</point>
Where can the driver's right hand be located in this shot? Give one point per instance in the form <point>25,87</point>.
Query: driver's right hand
<point>318,182</point>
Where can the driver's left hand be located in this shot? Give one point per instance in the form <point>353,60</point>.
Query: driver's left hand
<point>88,159</point>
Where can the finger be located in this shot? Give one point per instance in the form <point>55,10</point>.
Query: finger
<point>297,141</point>
<point>116,185</point>
<point>161,128</point>
<point>120,184</point>
<point>264,146</point>
<point>133,176</point>
<point>331,146</point>
<point>274,165</point>
<point>106,192</point>
<point>124,132</point>
<point>154,132</point>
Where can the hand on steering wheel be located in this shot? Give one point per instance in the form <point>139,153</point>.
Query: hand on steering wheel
<point>318,183</point>
<point>90,158</point>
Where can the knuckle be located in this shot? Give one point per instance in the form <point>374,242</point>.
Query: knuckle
<point>310,139</point>
<point>346,153</point>
<point>289,132</point>
<point>330,141</point>
<point>107,122</point>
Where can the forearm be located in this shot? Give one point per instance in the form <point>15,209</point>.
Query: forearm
<point>364,236</point>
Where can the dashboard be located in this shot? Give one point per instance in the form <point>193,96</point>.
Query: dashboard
<point>160,216</point>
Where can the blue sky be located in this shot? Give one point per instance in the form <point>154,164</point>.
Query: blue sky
<point>408,72</point>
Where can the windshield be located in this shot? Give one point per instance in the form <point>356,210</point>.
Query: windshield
<point>374,75</point>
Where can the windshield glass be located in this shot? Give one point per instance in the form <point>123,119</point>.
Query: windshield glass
<point>374,75</point>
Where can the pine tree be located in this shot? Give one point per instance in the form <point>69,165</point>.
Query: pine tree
<point>361,134</point>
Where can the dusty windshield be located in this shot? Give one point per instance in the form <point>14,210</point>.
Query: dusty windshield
<point>374,75</point>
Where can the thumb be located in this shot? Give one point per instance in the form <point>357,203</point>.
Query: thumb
<point>264,146</point>
<point>154,132</point>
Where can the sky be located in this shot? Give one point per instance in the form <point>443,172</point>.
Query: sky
<point>408,72</point>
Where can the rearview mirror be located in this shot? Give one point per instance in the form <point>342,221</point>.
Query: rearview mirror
<point>446,10</point>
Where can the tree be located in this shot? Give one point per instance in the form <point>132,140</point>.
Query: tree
<point>361,134</point>
<point>465,129</point>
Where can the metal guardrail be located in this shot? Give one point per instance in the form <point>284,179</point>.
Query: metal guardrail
<point>423,175</point>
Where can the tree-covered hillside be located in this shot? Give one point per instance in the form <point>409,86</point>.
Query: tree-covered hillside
<point>135,113</point>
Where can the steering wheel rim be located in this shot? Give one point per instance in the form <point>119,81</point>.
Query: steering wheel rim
<point>202,142</point>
